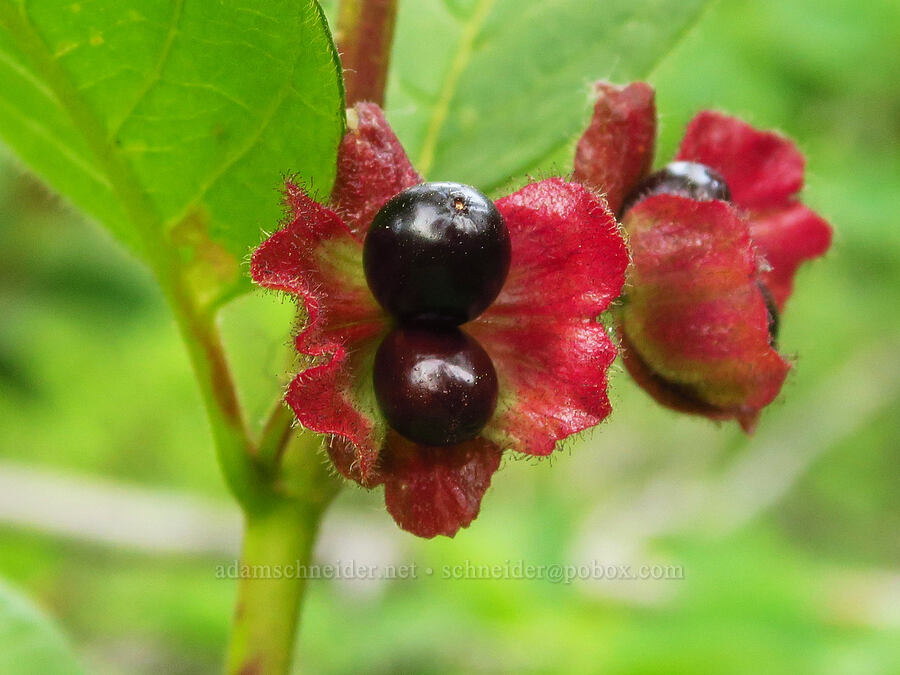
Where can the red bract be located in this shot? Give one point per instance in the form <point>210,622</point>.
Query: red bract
<point>764,172</point>
<point>550,353</point>
<point>616,150</point>
<point>695,326</point>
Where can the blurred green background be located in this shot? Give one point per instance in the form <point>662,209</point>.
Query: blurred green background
<point>113,515</point>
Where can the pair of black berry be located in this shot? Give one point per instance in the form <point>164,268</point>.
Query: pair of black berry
<point>435,257</point>
<point>702,183</point>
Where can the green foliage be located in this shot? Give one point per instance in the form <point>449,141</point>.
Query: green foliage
<point>172,123</point>
<point>29,643</point>
<point>484,91</point>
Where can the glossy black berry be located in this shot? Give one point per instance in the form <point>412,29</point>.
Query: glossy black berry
<point>685,179</point>
<point>435,386</point>
<point>437,252</point>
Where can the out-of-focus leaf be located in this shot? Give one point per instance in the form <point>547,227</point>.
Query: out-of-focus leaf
<point>173,117</point>
<point>29,643</point>
<point>486,90</point>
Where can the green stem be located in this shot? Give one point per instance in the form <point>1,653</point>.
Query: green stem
<point>365,31</point>
<point>275,435</point>
<point>230,437</point>
<point>278,545</point>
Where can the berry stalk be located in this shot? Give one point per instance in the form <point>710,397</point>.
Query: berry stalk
<point>365,31</point>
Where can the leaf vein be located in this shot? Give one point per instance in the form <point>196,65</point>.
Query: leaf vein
<point>154,76</point>
<point>535,161</point>
<point>251,143</point>
<point>471,28</point>
<point>64,148</point>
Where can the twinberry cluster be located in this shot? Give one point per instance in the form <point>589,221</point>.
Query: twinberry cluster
<point>418,318</point>
<point>435,257</point>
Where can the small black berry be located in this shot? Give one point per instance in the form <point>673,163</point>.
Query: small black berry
<point>684,179</point>
<point>437,252</point>
<point>435,386</point>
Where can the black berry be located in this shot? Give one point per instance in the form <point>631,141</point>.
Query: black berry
<point>437,252</point>
<point>771,312</point>
<point>435,386</point>
<point>685,179</point>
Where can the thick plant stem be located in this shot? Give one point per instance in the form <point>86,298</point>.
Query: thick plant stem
<point>365,32</point>
<point>278,545</point>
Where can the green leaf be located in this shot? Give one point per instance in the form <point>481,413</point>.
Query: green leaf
<point>173,121</point>
<point>29,643</point>
<point>484,91</point>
